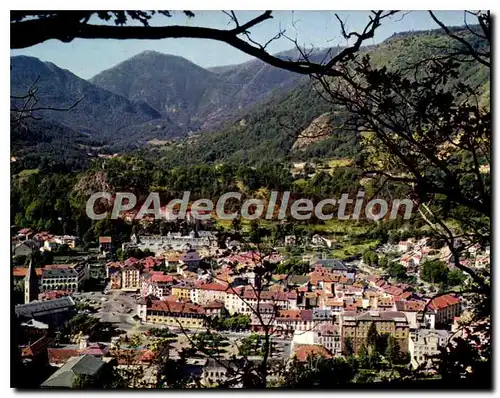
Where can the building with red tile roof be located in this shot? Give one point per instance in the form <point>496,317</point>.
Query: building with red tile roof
<point>213,308</point>
<point>303,352</point>
<point>105,239</point>
<point>59,356</point>
<point>53,294</point>
<point>171,313</point>
<point>21,272</point>
<point>37,348</point>
<point>441,310</point>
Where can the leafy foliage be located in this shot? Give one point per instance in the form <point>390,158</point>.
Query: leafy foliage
<point>318,372</point>
<point>434,271</point>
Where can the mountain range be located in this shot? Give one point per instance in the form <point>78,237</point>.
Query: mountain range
<point>243,110</point>
<point>151,95</point>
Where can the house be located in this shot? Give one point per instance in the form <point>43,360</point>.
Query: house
<point>213,308</point>
<point>385,304</point>
<point>407,261</point>
<point>32,330</point>
<point>290,240</point>
<point>303,352</point>
<point>115,277</point>
<point>49,245</point>
<point>53,294</point>
<point>149,263</point>
<point>182,290</point>
<point>24,234</point>
<point>392,291</point>
<point>290,321</point>
<point>380,284</point>
<point>191,259</point>
<point>87,366</point>
<point>244,301</point>
<point>171,259</point>
<point>68,240</point>
<point>35,353</point>
<point>404,246</point>
<point>334,304</point>
<point>442,310</point>
<point>318,240</point>
<point>58,356</point>
<point>155,283</point>
<point>424,343</point>
<point>205,293</point>
<point>264,315</point>
<point>43,236</point>
<point>411,309</point>
<point>19,273</point>
<point>216,370</point>
<point>176,241</point>
<point>332,265</point>
<point>105,244</point>
<point>25,248</point>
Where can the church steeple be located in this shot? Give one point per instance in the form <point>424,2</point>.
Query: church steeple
<point>31,284</point>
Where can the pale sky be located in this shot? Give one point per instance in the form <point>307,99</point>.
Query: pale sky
<point>319,29</point>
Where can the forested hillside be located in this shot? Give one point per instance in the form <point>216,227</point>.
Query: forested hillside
<point>159,98</point>
<point>99,112</point>
<point>194,97</point>
<point>270,129</point>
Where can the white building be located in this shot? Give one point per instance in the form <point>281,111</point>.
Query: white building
<point>404,246</point>
<point>176,241</point>
<point>424,343</point>
<point>327,335</point>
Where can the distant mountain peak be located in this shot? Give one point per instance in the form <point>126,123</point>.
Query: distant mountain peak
<point>99,111</point>
<point>151,52</point>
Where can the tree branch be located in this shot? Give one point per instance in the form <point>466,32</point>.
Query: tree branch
<point>29,32</point>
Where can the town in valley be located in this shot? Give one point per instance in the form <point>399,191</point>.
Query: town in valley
<point>334,230</point>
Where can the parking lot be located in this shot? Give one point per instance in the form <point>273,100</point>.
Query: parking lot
<point>114,307</point>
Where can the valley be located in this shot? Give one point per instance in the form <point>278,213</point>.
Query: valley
<point>370,268</point>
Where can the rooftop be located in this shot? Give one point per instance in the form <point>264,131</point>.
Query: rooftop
<point>75,366</point>
<point>332,263</point>
<point>21,272</point>
<point>169,306</point>
<point>443,302</point>
<point>302,352</point>
<point>37,307</point>
<point>376,316</point>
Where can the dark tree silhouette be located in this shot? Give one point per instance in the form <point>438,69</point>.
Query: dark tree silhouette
<point>33,27</point>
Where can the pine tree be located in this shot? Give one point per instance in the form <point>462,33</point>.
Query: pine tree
<point>348,348</point>
<point>392,350</point>
<point>371,338</point>
<point>363,356</point>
